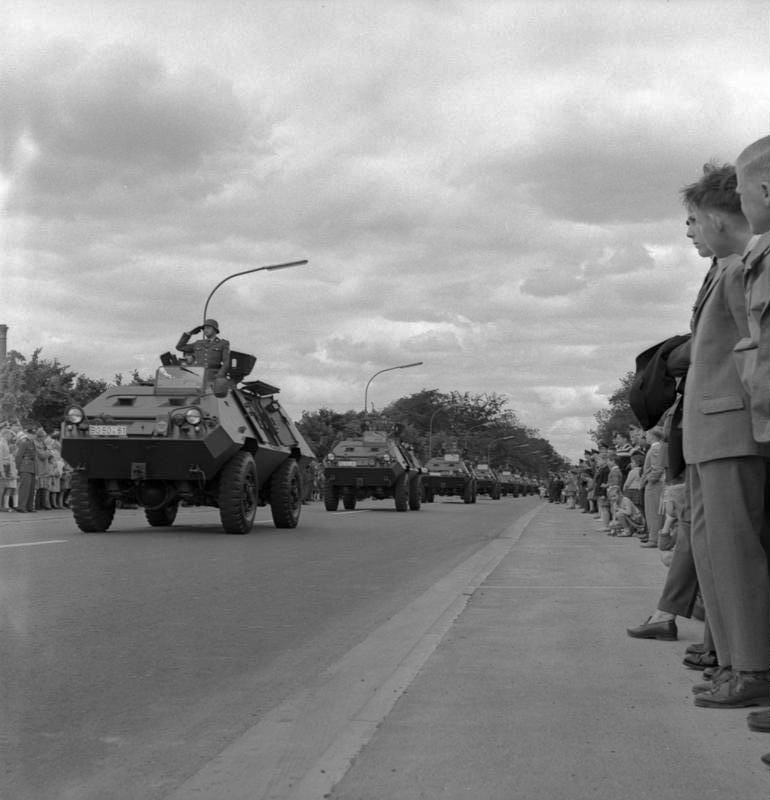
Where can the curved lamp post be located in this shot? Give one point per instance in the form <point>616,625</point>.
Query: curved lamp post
<point>494,442</point>
<point>269,268</point>
<point>387,369</point>
<point>472,428</point>
<point>430,427</point>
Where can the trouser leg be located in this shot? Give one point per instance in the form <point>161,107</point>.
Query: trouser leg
<point>727,536</point>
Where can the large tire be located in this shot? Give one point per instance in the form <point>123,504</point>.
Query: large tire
<point>401,493</point>
<point>495,493</point>
<point>286,495</point>
<point>161,517</point>
<point>349,501</point>
<point>468,492</point>
<point>331,497</point>
<point>415,493</point>
<point>92,508</point>
<point>429,495</point>
<point>238,493</point>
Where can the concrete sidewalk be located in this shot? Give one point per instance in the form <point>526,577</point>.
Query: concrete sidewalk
<point>536,692</point>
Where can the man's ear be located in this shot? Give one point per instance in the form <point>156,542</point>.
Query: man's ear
<point>717,220</point>
<point>764,188</point>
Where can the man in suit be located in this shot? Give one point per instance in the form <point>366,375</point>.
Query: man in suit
<point>726,466</point>
<point>753,176</point>
<point>26,465</point>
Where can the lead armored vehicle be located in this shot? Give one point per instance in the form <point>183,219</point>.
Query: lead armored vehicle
<point>449,476</point>
<point>375,465</point>
<point>186,439</point>
<point>487,481</point>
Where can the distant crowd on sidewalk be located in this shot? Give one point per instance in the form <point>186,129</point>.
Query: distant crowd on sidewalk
<point>624,485</point>
<point>33,475</point>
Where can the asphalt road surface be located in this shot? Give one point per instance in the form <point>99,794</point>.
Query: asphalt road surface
<point>130,659</point>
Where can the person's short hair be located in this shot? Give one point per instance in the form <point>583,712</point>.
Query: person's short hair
<point>715,190</point>
<point>755,159</point>
<point>658,433</point>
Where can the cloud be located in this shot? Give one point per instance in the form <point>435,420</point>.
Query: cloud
<point>490,188</point>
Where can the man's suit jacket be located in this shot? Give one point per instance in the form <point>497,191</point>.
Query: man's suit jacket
<point>26,456</point>
<point>717,418</point>
<point>753,352</point>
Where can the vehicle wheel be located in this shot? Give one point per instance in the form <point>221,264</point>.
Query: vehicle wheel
<point>429,495</point>
<point>401,493</point>
<point>495,492</point>
<point>349,501</point>
<point>161,517</point>
<point>286,495</point>
<point>92,508</point>
<point>468,493</point>
<point>238,493</point>
<point>331,498</point>
<point>415,493</point>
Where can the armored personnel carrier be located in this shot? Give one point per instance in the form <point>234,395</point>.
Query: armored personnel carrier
<point>487,481</point>
<point>186,439</point>
<point>375,465</point>
<point>449,476</point>
<point>508,484</point>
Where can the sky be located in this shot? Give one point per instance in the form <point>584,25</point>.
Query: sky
<point>490,188</point>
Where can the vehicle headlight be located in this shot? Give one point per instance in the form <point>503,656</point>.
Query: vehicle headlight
<point>330,457</point>
<point>74,415</point>
<point>193,416</point>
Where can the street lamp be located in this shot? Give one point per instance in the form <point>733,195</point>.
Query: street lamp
<point>387,369</point>
<point>472,428</point>
<point>269,268</point>
<point>494,442</point>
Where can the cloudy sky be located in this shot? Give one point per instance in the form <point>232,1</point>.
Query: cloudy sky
<point>488,187</point>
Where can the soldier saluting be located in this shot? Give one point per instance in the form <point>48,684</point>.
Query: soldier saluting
<point>210,351</point>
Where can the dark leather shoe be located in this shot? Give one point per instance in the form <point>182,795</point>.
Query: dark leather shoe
<point>700,660</point>
<point>759,721</point>
<point>666,631</point>
<point>743,689</point>
<point>718,675</point>
<point>696,648</point>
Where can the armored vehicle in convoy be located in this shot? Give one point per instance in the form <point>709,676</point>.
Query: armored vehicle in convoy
<point>375,465</point>
<point>186,439</point>
<point>449,476</point>
<point>487,481</point>
<point>508,485</point>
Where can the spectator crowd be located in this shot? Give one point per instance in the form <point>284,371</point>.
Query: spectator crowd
<point>33,475</point>
<point>694,485</point>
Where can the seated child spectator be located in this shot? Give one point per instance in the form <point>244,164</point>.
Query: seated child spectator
<point>627,519</point>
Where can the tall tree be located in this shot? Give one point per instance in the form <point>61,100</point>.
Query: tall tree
<point>618,416</point>
<point>38,391</point>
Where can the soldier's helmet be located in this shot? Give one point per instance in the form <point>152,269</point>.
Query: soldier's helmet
<point>213,323</point>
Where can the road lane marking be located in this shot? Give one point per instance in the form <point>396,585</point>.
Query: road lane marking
<point>302,748</point>
<point>31,544</point>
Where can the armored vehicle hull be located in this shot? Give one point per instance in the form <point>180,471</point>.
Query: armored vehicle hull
<point>186,440</point>
<point>372,466</point>
<point>487,482</point>
<point>449,476</point>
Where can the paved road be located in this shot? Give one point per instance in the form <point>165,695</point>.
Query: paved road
<point>128,660</point>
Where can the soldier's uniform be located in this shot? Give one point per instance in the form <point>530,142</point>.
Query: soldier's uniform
<point>214,353</point>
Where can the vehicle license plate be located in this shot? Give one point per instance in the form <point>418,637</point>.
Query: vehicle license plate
<point>347,463</point>
<point>108,430</point>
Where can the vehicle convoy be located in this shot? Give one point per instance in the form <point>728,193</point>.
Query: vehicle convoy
<point>186,439</point>
<point>449,476</point>
<point>375,465</point>
<point>487,481</point>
